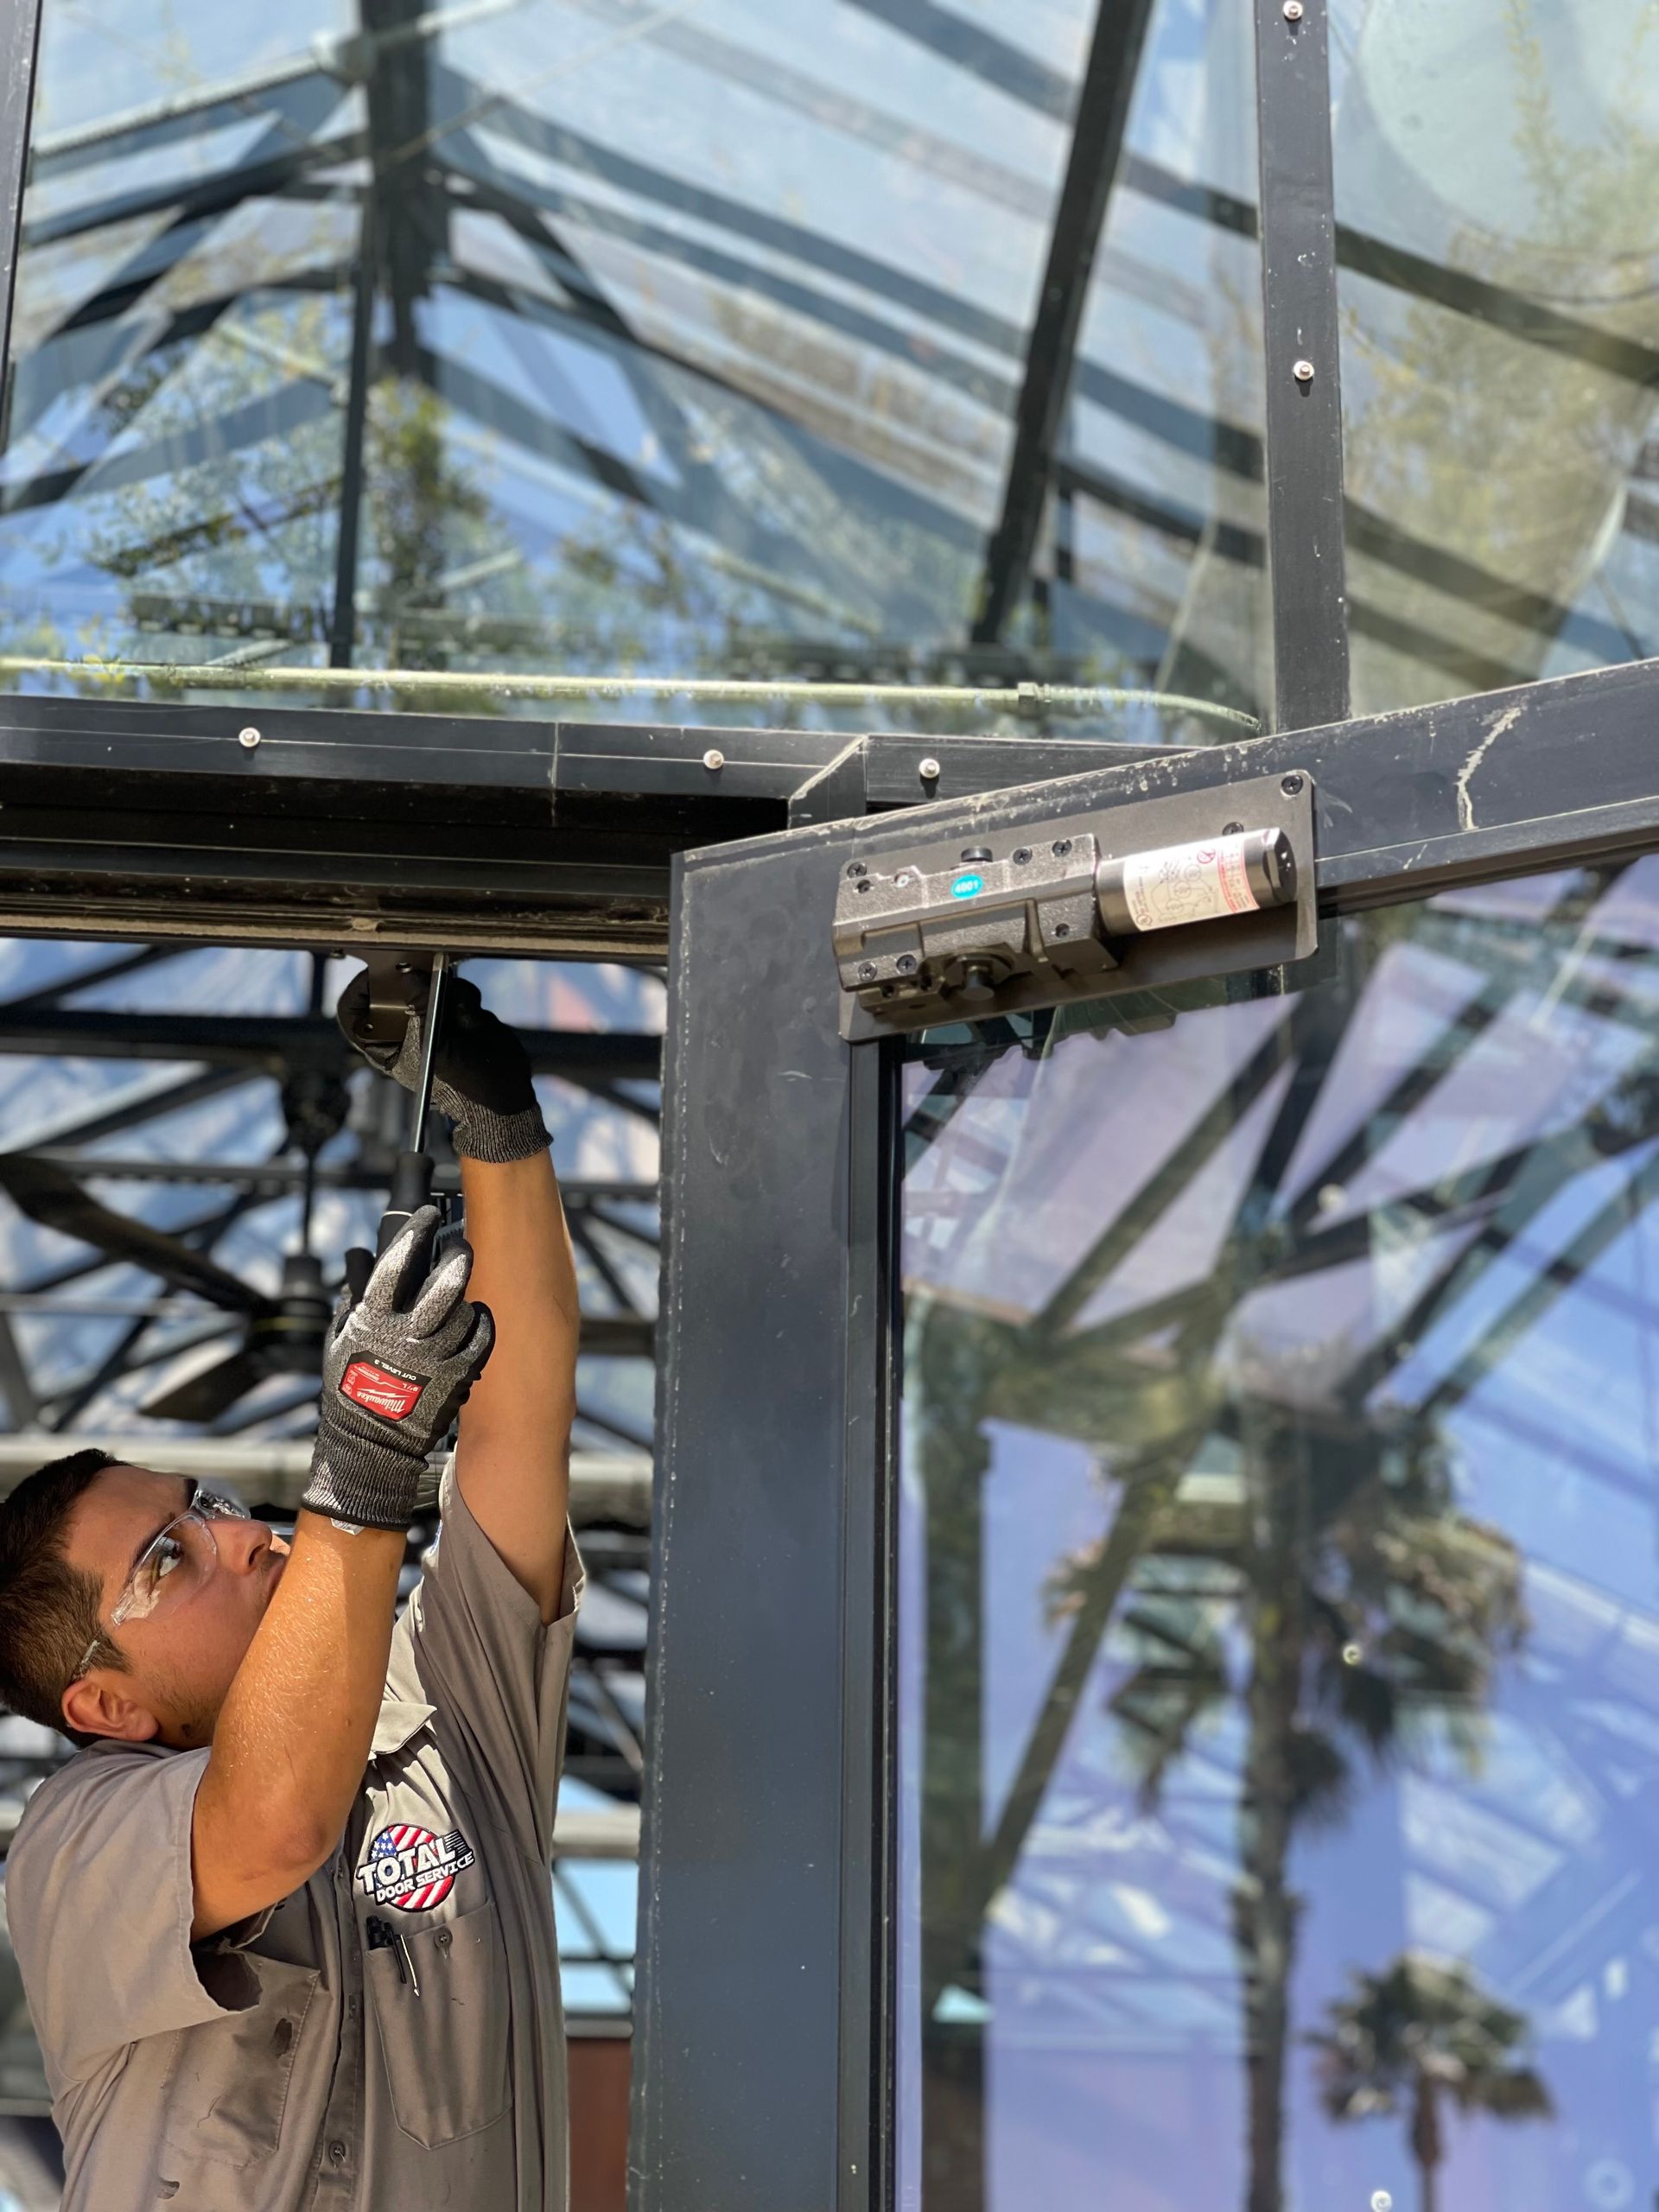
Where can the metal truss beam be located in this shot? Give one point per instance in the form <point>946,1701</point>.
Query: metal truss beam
<point>605,1486</point>
<point>1098,133</point>
<point>275,1043</point>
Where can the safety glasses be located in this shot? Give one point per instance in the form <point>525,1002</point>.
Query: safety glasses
<point>177,1563</point>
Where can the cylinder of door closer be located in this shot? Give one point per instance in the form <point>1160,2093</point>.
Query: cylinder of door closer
<point>1178,884</point>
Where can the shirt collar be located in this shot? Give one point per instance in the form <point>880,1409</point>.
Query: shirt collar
<point>400,1719</point>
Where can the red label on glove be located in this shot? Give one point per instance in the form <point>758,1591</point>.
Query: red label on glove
<point>380,1390</point>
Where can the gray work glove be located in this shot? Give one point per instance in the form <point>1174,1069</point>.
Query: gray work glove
<point>396,1368</point>
<point>481,1075</point>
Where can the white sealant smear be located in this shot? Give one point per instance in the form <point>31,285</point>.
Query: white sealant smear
<point>1506,720</point>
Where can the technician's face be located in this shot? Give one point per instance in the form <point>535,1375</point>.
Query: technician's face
<point>206,1603</point>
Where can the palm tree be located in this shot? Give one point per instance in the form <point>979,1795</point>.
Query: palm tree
<point>1374,1609</point>
<point>1416,2034</point>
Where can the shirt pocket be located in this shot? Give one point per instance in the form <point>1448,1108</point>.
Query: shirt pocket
<point>445,2050</point>
<point>228,2090</point>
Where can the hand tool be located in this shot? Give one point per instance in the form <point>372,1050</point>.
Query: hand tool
<point>412,1178</point>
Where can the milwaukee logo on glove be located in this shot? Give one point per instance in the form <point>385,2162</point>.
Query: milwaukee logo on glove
<point>380,1390</point>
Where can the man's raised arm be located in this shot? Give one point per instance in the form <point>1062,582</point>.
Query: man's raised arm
<point>293,1736</point>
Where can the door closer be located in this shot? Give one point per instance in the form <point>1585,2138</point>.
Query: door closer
<point>1049,909</point>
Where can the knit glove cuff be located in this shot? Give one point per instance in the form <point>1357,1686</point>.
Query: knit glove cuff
<point>368,1486</point>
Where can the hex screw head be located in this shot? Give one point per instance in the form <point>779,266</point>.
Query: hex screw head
<point>1291,785</point>
<point>1061,848</point>
<point>1293,11</point>
<point>930,771</point>
<point>1062,929</point>
<point>1021,854</point>
<point>1302,371</point>
<point>713,759</point>
<point>867,971</point>
<point>855,869</point>
<point>865,885</point>
<point>247,738</point>
<point>906,964</point>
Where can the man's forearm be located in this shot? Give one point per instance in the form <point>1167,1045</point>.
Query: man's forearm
<point>293,1736</point>
<point>514,1455</point>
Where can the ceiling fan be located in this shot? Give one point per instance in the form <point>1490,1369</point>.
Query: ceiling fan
<point>282,1333</point>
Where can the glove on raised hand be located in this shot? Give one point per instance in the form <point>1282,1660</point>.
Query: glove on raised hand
<point>480,1078</point>
<point>396,1367</point>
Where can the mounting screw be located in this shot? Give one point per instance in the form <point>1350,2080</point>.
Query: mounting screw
<point>867,972</point>
<point>247,738</point>
<point>855,870</point>
<point>865,885</point>
<point>1302,371</point>
<point>930,771</point>
<point>1062,929</point>
<point>1232,829</point>
<point>1062,847</point>
<point>1022,854</point>
<point>1293,11</point>
<point>714,759</point>
<point>1291,785</point>
<point>906,964</point>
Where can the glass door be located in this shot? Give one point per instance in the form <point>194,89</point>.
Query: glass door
<point>1277,1583</point>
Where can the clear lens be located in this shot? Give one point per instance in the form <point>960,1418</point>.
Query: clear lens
<point>177,1563</point>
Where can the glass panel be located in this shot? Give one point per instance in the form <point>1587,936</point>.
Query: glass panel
<point>1279,1613</point>
<point>1497,199</point>
<point>519,343</point>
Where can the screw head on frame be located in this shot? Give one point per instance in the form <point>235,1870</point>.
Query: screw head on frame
<point>247,738</point>
<point>1302,371</point>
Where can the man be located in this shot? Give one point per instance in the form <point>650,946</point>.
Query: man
<point>286,1923</point>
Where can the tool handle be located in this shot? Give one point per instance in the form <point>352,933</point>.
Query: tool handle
<point>411,1189</point>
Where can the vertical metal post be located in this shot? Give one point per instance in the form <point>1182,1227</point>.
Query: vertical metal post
<point>869,1544</point>
<point>19,46</point>
<point>342,636</point>
<point>1300,331</point>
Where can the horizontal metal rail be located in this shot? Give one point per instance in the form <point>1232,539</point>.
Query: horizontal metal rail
<point>239,676</point>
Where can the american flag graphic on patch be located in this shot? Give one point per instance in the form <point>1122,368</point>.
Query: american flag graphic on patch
<point>412,1868</point>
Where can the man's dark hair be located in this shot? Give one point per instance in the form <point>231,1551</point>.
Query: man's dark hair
<point>48,1610</point>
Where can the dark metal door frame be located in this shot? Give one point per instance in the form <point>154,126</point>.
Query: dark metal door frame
<point>764,2069</point>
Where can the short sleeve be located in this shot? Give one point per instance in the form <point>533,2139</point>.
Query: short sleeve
<point>472,1642</point>
<point>99,1896</point>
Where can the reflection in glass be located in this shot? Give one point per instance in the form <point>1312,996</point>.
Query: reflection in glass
<point>509,338</point>
<point>1279,1611</point>
<point>1498,195</point>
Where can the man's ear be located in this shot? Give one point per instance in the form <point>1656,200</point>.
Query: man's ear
<point>93,1707</point>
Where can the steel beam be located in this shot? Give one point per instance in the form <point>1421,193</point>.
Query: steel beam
<point>1098,129</point>
<point>278,1042</point>
<point>605,1486</point>
<point>1301,341</point>
<point>20,39</point>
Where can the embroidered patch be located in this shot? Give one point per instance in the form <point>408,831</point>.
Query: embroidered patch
<point>381,1390</point>
<point>412,1868</point>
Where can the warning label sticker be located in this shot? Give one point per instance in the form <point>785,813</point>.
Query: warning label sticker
<point>1188,883</point>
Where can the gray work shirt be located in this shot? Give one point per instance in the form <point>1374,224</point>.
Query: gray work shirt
<point>391,2034</point>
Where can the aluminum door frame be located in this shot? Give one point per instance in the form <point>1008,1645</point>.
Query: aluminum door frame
<point>764,2015</point>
